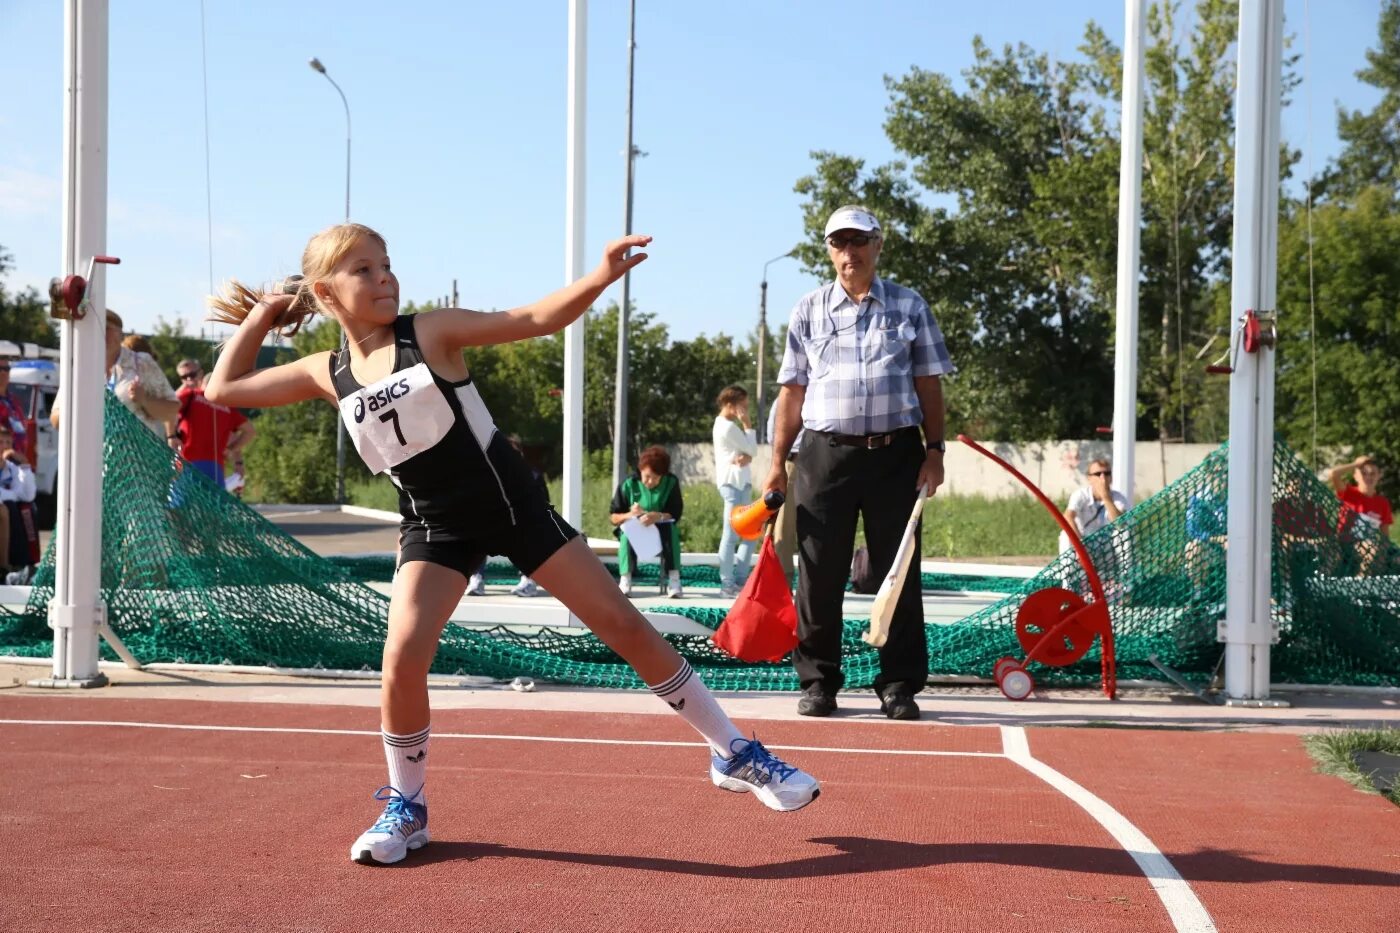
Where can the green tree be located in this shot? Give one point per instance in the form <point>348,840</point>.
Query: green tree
<point>172,345</point>
<point>1371,141</point>
<point>1356,297</point>
<point>292,459</point>
<point>24,317</point>
<point>1004,217</point>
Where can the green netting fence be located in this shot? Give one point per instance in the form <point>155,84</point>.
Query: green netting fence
<point>191,574</point>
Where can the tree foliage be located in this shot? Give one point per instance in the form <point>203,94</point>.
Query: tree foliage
<point>24,316</point>
<point>1340,300</point>
<point>1004,217</point>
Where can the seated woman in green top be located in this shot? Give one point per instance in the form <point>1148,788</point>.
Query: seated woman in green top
<point>652,495</point>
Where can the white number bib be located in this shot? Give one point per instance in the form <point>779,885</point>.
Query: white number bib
<point>397,417</point>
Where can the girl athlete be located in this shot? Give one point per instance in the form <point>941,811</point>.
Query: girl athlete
<point>413,411</point>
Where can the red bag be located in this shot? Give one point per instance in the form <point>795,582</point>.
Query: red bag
<point>762,623</point>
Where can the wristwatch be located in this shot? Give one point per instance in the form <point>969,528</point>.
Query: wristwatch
<point>938,446</point>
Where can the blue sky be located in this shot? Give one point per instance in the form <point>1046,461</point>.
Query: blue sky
<point>458,113</point>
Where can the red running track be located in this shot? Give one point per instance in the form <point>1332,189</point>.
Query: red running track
<point>122,827</point>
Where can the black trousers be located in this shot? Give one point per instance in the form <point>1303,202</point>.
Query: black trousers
<point>839,484</point>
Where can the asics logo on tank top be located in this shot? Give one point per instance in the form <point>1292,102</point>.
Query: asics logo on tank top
<point>379,399</point>
<point>396,418</point>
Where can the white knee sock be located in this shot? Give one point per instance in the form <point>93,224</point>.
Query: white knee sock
<point>689,697</point>
<point>408,763</point>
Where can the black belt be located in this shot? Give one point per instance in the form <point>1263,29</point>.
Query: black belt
<point>866,441</point>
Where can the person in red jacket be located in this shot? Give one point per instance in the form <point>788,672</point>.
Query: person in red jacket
<point>210,435</point>
<point>1366,517</point>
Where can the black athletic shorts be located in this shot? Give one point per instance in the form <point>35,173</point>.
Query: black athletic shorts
<point>528,543</point>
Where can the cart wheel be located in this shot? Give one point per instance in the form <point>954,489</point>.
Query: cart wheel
<point>1017,684</point>
<point>1002,666</point>
<point>1054,626</point>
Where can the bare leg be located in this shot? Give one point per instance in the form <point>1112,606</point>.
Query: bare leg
<point>423,599</point>
<point>575,577</point>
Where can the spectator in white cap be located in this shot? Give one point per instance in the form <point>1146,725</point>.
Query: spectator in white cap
<point>861,377</point>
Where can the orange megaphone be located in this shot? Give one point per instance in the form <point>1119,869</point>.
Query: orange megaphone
<point>748,520</point>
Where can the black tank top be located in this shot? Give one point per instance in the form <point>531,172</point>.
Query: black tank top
<point>437,442</point>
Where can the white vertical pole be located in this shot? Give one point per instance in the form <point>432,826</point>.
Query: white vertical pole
<point>1125,362</point>
<point>74,611</point>
<point>573,263</point>
<point>1248,632</point>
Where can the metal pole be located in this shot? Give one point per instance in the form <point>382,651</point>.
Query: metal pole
<point>620,403</point>
<point>573,261</point>
<point>1125,368</point>
<point>760,415</point>
<point>1248,624</point>
<point>76,613</point>
<point>340,435</point>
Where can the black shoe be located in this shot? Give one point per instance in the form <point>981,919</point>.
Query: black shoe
<point>816,702</point>
<point>896,703</point>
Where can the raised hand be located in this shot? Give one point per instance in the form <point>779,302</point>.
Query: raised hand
<point>616,262</point>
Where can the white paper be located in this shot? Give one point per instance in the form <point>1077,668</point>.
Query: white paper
<point>645,539</point>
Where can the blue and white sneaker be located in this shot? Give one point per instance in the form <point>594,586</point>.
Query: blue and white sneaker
<point>779,785</point>
<point>402,826</point>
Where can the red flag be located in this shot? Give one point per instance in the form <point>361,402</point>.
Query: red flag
<point>762,623</point>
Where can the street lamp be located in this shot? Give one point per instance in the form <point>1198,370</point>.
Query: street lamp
<point>316,66</point>
<point>760,417</point>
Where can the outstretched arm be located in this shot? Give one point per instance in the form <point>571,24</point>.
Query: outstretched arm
<point>236,383</point>
<point>458,327</point>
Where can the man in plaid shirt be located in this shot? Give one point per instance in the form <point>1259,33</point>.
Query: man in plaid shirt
<point>861,376</point>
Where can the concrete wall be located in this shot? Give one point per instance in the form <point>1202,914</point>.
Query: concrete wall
<point>1057,467</point>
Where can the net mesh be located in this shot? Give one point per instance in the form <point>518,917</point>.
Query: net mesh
<point>191,574</point>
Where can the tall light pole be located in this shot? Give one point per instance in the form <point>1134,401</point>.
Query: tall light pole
<point>760,416</point>
<point>316,65</point>
<point>620,403</point>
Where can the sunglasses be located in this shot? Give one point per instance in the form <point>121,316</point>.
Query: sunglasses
<point>855,239</point>
<point>184,376</point>
<point>1102,473</point>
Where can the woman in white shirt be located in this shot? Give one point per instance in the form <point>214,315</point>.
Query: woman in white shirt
<point>735,445</point>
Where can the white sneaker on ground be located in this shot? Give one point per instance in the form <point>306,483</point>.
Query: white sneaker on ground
<point>728,590</point>
<point>673,585</point>
<point>526,587</point>
<point>476,586</point>
<point>21,577</point>
<point>777,784</point>
<point>402,826</point>
<point>624,583</point>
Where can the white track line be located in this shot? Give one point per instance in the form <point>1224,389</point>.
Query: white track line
<point>572,740</point>
<point>1187,912</point>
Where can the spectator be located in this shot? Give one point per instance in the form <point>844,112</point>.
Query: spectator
<point>1090,508</point>
<point>11,412</point>
<point>652,495</point>
<point>1095,505</point>
<point>735,445</point>
<point>861,374</point>
<point>210,435</point>
<point>1206,541</point>
<point>1366,517</point>
<point>19,535</point>
<point>137,381</point>
<point>785,530</point>
<point>139,344</point>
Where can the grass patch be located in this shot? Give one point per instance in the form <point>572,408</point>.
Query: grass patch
<point>1333,752</point>
<point>954,526</point>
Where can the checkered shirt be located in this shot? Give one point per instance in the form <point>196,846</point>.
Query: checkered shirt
<point>858,362</point>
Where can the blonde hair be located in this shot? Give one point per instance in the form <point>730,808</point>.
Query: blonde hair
<point>322,252</point>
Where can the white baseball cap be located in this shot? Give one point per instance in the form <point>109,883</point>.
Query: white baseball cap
<point>852,218</point>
